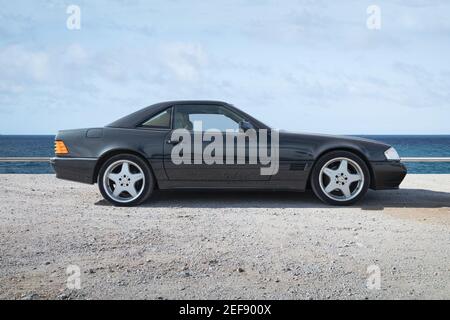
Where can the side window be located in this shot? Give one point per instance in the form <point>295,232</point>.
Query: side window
<point>208,117</point>
<point>160,120</point>
<point>214,121</point>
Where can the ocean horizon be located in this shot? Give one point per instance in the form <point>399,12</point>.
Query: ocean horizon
<point>406,145</point>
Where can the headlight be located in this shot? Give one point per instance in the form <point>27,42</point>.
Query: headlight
<point>391,154</point>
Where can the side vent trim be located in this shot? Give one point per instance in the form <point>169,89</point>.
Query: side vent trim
<point>299,166</point>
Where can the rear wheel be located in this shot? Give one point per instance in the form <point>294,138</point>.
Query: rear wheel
<point>125,180</point>
<point>340,178</point>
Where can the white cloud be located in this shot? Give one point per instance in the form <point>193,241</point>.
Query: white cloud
<point>18,63</point>
<point>76,54</point>
<point>185,60</point>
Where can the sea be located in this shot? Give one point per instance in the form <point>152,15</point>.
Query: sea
<point>406,145</point>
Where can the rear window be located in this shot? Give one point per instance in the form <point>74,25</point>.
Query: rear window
<point>160,120</point>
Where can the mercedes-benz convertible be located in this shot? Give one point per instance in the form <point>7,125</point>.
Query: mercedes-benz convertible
<point>214,145</point>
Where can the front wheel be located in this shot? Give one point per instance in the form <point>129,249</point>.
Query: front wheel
<point>340,178</point>
<point>125,180</point>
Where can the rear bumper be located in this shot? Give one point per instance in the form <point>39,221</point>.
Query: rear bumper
<point>75,169</point>
<point>387,174</point>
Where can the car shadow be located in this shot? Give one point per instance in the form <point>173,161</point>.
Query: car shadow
<point>374,200</point>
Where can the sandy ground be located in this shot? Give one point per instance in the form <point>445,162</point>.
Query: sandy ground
<point>199,245</point>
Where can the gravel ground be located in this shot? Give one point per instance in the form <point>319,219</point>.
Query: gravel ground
<point>226,245</point>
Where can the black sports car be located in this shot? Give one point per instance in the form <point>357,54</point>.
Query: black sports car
<point>152,148</point>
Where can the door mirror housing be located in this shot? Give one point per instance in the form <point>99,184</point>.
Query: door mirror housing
<point>245,125</point>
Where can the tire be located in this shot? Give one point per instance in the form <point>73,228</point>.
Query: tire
<point>334,178</point>
<point>125,180</point>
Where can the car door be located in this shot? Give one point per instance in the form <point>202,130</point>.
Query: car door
<point>207,124</point>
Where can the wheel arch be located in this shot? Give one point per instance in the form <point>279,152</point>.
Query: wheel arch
<point>110,153</point>
<point>357,152</point>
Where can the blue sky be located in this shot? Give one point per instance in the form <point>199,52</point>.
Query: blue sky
<point>298,65</point>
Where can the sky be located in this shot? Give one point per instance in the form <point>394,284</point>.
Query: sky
<point>300,65</point>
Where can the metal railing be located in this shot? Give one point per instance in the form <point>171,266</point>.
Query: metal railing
<point>426,159</point>
<point>25,159</point>
<point>44,159</point>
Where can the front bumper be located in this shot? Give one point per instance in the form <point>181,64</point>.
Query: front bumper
<point>75,169</point>
<point>387,174</point>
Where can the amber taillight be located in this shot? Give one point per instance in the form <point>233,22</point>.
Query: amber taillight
<point>60,147</point>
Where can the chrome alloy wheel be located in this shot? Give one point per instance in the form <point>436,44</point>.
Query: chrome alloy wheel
<point>124,181</point>
<point>341,179</point>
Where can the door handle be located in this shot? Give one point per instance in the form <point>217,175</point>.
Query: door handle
<point>173,142</point>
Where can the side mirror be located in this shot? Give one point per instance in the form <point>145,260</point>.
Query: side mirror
<point>245,125</point>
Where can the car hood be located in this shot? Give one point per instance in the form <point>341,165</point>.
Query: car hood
<point>312,145</point>
<point>329,137</point>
